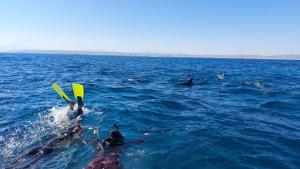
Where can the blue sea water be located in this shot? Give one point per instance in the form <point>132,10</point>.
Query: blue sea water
<point>251,119</point>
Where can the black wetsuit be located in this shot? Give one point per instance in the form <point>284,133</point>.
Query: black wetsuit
<point>56,143</point>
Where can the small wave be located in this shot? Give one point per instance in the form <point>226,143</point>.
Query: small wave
<point>241,90</point>
<point>261,161</point>
<point>121,88</point>
<point>173,104</point>
<point>291,143</point>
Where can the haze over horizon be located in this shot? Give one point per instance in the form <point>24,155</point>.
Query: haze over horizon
<point>208,27</point>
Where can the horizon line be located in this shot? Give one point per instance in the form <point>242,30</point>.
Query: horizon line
<point>157,54</point>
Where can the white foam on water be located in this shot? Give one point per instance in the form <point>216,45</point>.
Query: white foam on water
<point>59,117</point>
<point>32,132</point>
<point>22,137</point>
<point>98,112</point>
<point>86,110</point>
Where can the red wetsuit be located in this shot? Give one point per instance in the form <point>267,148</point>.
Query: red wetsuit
<point>108,161</point>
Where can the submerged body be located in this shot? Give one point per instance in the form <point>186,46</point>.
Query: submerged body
<point>57,144</point>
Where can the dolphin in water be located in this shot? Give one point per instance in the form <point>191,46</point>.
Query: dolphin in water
<point>187,83</point>
<point>221,76</point>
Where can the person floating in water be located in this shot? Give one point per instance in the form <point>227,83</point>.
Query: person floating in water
<point>189,81</point>
<point>64,139</point>
<point>78,94</point>
<point>109,150</point>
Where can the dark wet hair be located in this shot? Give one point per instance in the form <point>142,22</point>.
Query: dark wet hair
<point>116,135</point>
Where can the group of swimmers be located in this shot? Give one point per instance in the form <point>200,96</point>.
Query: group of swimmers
<point>108,150</point>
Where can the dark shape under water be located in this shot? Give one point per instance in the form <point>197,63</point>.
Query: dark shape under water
<point>188,83</point>
<point>37,153</point>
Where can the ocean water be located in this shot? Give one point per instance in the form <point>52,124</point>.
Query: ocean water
<point>249,120</point>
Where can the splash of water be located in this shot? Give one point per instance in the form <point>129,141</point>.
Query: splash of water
<point>59,118</point>
<point>32,132</point>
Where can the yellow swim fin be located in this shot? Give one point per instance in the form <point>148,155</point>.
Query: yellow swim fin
<point>78,92</point>
<point>60,92</point>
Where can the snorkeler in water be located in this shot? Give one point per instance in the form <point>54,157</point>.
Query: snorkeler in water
<point>109,150</point>
<point>78,91</point>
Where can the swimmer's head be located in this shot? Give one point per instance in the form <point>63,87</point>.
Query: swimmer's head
<point>116,135</point>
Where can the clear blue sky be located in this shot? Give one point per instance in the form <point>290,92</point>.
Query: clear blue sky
<point>266,27</point>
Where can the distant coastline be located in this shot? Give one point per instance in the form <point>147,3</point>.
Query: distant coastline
<point>95,53</point>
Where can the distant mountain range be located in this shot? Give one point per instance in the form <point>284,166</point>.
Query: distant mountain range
<point>242,56</point>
